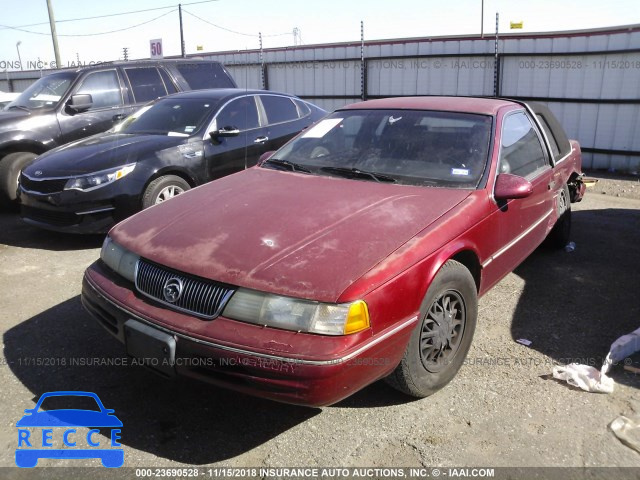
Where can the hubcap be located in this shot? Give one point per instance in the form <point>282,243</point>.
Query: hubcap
<point>168,192</point>
<point>442,331</point>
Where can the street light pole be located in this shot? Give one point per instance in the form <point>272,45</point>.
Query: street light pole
<point>19,57</point>
<point>54,35</point>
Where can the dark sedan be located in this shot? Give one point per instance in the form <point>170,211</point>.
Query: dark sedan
<point>166,148</point>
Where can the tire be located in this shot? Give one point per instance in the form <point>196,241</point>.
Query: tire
<point>424,371</point>
<point>10,167</point>
<point>162,189</point>
<point>561,232</point>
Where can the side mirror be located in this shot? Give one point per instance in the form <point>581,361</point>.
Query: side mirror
<point>509,187</point>
<point>80,102</point>
<point>216,135</point>
<point>265,156</point>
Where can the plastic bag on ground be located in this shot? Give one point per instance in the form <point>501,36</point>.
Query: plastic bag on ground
<point>628,431</point>
<point>584,377</point>
<point>623,347</point>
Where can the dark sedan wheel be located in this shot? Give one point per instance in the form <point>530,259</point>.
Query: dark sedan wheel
<point>10,167</point>
<point>163,189</point>
<point>441,341</point>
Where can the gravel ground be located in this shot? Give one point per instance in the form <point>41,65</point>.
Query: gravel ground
<point>502,409</point>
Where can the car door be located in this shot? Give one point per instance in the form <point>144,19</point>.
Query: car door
<point>518,226</point>
<point>283,119</point>
<point>108,106</point>
<point>226,155</point>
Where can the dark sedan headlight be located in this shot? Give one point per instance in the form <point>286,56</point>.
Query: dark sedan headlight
<point>296,314</point>
<point>119,259</point>
<point>98,179</point>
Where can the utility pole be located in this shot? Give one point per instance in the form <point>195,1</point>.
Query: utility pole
<point>482,20</point>
<point>54,35</point>
<point>125,54</point>
<point>184,55</point>
<point>496,67</point>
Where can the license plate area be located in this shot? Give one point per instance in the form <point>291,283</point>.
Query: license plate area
<point>150,347</point>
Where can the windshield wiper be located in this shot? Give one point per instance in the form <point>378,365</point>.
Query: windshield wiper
<point>294,167</point>
<point>355,172</point>
<point>21,107</point>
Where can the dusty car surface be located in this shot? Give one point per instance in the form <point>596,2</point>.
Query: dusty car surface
<point>354,253</point>
<point>167,147</point>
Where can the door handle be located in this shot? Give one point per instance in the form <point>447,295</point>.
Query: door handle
<point>118,117</point>
<point>261,139</point>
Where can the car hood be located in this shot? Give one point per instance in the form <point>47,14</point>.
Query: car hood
<point>288,233</point>
<point>99,152</point>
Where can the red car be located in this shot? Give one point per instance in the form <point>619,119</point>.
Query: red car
<point>354,253</point>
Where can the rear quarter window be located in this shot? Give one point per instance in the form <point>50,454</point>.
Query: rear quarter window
<point>279,109</point>
<point>204,75</point>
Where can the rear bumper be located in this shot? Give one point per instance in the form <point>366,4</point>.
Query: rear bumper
<point>291,378</point>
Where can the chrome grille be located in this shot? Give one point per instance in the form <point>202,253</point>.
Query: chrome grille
<point>200,297</point>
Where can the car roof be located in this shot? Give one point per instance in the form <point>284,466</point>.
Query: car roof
<point>482,105</point>
<point>134,63</point>
<point>221,93</point>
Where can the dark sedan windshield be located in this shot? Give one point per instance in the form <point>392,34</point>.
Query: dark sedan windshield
<point>45,93</point>
<point>173,116</point>
<point>411,147</point>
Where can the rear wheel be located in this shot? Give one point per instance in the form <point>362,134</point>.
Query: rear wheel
<point>441,341</point>
<point>163,189</point>
<point>561,231</point>
<point>10,167</point>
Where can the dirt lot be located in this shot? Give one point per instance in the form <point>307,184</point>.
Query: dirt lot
<point>503,409</point>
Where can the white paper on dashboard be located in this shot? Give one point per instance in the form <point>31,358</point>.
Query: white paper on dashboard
<point>321,129</point>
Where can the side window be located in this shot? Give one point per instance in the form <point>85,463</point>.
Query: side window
<point>171,88</point>
<point>146,83</point>
<point>521,152</point>
<point>240,113</point>
<point>204,75</point>
<point>552,140</point>
<point>103,87</point>
<point>279,109</point>
<point>303,108</point>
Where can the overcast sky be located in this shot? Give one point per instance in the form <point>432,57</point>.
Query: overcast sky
<point>318,22</point>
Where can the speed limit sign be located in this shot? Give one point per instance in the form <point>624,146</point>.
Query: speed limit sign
<point>156,48</point>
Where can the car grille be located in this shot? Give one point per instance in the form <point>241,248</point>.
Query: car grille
<point>200,297</point>
<point>42,186</point>
<point>50,217</point>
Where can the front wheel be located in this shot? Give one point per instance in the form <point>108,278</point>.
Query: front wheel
<point>163,189</point>
<point>440,343</point>
<point>10,167</point>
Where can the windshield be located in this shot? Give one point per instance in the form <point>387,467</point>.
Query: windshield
<point>172,116</point>
<point>44,93</point>
<point>411,147</point>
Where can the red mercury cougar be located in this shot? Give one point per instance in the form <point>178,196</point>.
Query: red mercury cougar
<point>356,252</point>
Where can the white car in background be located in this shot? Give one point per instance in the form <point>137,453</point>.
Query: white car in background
<point>6,97</point>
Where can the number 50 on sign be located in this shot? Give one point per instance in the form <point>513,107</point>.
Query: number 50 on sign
<point>156,48</point>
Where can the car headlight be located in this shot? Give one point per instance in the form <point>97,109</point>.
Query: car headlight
<point>98,179</point>
<point>119,259</point>
<point>295,314</point>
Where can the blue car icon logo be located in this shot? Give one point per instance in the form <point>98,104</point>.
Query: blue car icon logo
<point>40,433</point>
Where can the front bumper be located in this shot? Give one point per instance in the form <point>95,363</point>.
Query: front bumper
<point>314,371</point>
<point>73,211</point>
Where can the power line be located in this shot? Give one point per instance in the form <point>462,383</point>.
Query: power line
<point>93,34</point>
<point>233,31</point>
<point>18,27</point>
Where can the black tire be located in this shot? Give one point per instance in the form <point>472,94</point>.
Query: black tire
<point>161,190</point>
<point>561,232</point>
<point>418,374</point>
<point>10,167</point>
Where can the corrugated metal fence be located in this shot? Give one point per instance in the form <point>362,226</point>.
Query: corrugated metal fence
<point>589,79</point>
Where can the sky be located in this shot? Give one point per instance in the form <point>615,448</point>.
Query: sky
<point>222,25</point>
